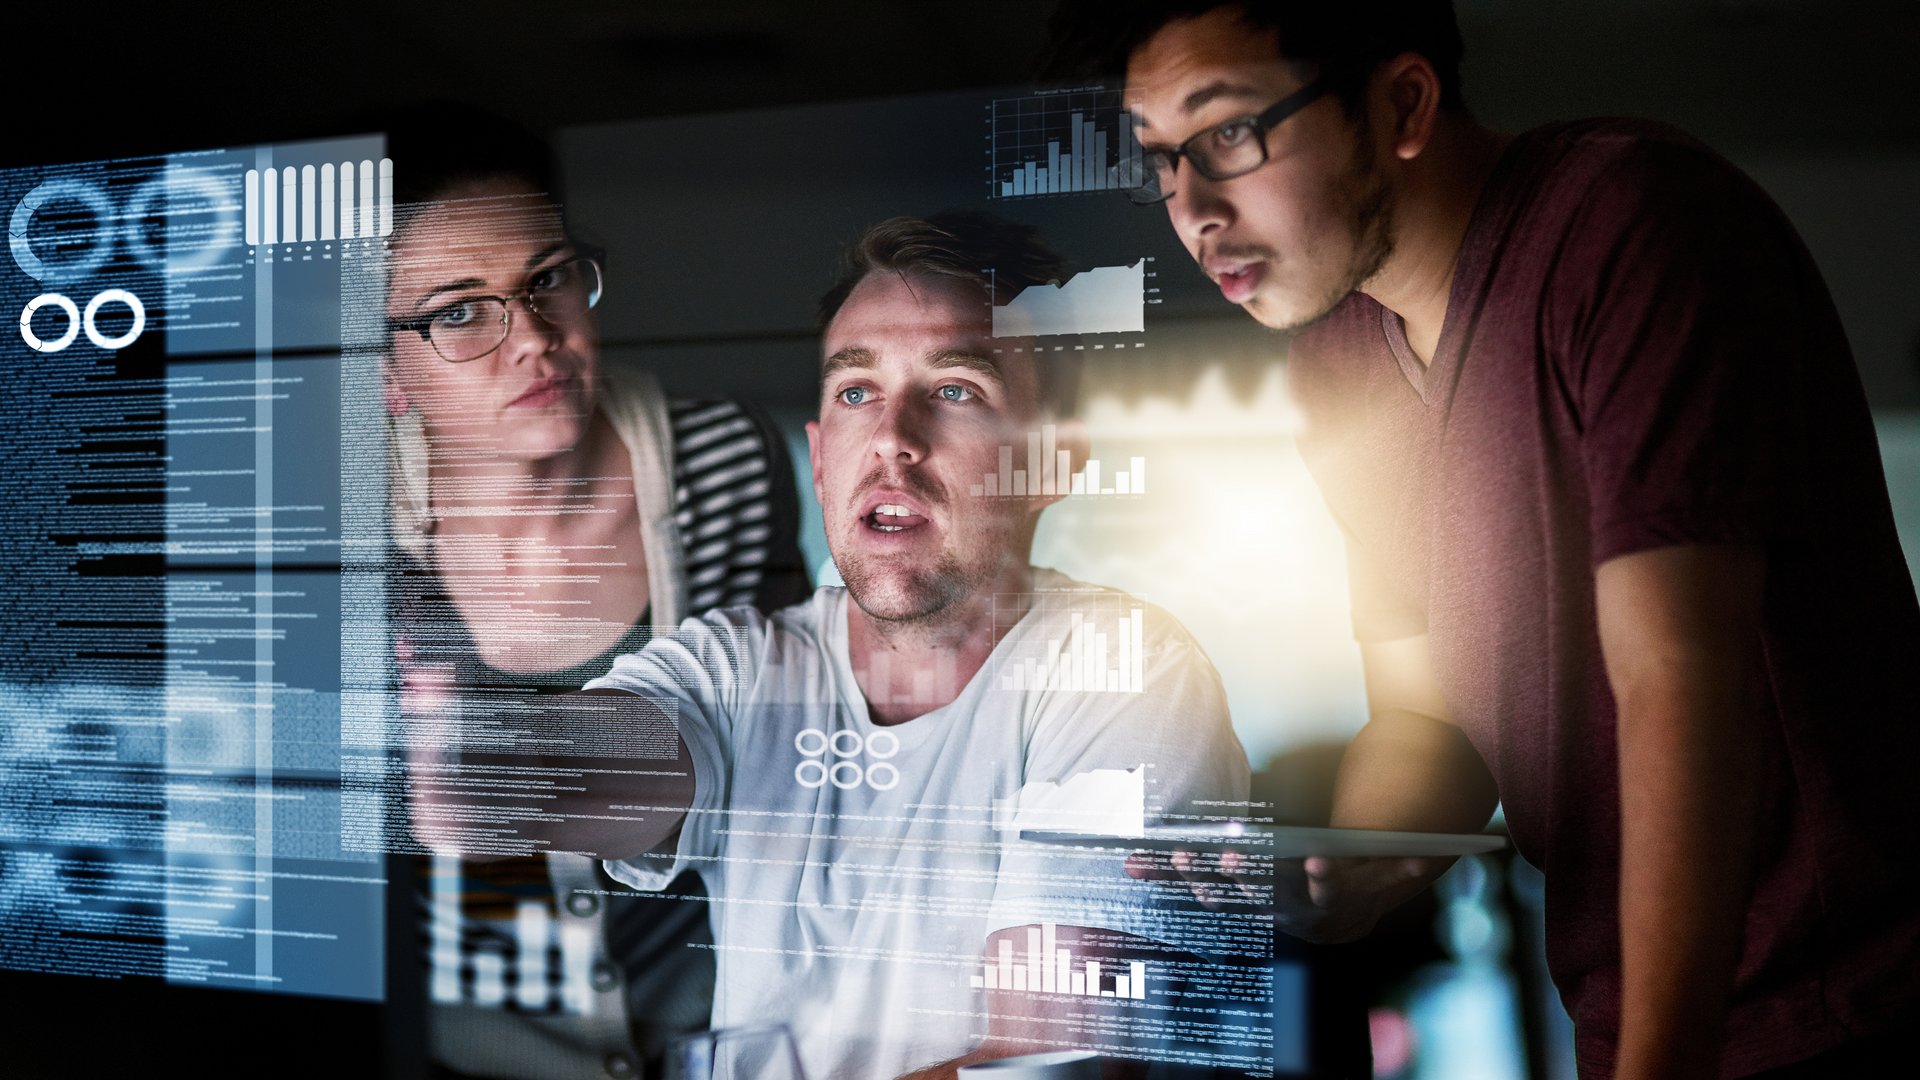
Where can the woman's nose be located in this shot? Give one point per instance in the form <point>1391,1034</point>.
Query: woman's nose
<point>528,335</point>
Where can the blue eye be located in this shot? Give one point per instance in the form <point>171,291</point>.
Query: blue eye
<point>455,316</point>
<point>956,393</point>
<point>854,395</point>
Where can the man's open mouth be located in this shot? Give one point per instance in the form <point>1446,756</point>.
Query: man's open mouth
<point>892,517</point>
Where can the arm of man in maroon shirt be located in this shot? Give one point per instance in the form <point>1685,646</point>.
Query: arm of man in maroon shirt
<point>1679,630</point>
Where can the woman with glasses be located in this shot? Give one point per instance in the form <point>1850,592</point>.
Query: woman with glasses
<point>551,512</point>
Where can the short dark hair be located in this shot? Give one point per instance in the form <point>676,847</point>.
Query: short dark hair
<point>1001,256</point>
<point>1344,41</point>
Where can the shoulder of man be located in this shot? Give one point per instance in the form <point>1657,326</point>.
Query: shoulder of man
<point>719,656</point>
<point>1599,178</point>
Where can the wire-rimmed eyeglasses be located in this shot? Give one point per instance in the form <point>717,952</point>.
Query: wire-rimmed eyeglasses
<point>1223,151</point>
<point>474,326</point>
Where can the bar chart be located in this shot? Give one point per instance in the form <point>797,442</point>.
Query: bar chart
<point>1058,142</point>
<point>1046,968</point>
<point>291,205</point>
<point>1104,300</point>
<point>1084,641</point>
<point>1049,471</point>
<point>480,970</point>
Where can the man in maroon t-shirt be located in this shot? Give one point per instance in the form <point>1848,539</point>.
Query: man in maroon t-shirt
<point>1621,551</point>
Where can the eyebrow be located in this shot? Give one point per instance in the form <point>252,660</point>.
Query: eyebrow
<point>855,357</point>
<point>546,253</point>
<point>1215,91</point>
<point>972,361</point>
<point>850,357</point>
<point>535,260</point>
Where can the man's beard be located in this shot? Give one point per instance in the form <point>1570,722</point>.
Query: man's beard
<point>909,596</point>
<point>916,597</point>
<point>1369,215</point>
<point>1367,201</point>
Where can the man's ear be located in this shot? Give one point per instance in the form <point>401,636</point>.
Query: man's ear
<point>1411,89</point>
<point>1069,435</point>
<point>813,458</point>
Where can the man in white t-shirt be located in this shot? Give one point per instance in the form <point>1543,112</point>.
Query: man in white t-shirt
<point>854,776</point>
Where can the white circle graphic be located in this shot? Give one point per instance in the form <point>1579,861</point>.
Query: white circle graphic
<point>859,774</point>
<point>873,774</point>
<point>81,192</point>
<point>800,742</point>
<point>873,744</point>
<point>857,741</point>
<point>800,773</point>
<point>73,322</point>
<point>133,332</point>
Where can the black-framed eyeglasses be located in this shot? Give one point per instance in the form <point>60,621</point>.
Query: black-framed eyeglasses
<point>474,326</point>
<point>1223,151</point>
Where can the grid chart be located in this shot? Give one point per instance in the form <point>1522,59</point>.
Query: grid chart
<point>1093,642</point>
<point>1049,969</point>
<point>1057,142</point>
<point>1047,468</point>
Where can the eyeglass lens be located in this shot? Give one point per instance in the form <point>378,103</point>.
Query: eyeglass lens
<point>1218,153</point>
<point>472,328</point>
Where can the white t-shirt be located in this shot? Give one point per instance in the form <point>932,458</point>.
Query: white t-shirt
<point>857,869</point>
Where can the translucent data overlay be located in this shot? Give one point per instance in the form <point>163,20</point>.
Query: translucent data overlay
<point>171,408</point>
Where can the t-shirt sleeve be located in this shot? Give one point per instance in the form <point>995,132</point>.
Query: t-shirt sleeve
<point>1684,301</point>
<point>696,672</point>
<point>1170,748</point>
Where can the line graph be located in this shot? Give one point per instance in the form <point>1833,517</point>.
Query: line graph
<point>1104,300</point>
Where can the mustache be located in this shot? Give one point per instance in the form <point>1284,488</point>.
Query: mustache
<point>1243,251</point>
<point>915,484</point>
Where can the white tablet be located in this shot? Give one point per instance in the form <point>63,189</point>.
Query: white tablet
<point>1280,841</point>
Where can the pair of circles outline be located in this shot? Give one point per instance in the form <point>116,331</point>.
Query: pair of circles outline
<point>77,320</point>
<point>108,230</point>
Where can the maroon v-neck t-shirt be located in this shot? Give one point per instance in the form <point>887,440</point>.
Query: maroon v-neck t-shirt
<point>1639,352</point>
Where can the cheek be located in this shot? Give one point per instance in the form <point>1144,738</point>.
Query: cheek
<point>443,391</point>
<point>581,353</point>
<point>838,462</point>
<point>414,374</point>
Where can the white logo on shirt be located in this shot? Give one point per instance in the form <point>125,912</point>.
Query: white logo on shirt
<point>845,773</point>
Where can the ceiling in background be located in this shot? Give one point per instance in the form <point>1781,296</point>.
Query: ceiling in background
<point>90,80</point>
<point>1820,92</point>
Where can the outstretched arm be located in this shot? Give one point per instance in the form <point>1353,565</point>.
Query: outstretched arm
<point>1680,631</point>
<point>484,806</point>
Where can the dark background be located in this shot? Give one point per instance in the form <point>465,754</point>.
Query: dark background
<point>672,118</point>
<point>1817,98</point>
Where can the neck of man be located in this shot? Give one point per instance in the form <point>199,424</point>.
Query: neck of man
<point>1435,194</point>
<point>908,669</point>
